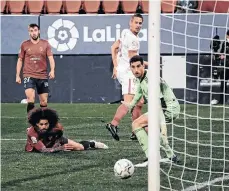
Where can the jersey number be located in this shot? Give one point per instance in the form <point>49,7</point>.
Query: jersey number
<point>26,80</point>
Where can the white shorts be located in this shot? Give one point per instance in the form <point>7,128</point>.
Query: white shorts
<point>128,82</point>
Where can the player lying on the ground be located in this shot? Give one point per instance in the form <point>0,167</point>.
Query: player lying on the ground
<point>169,104</point>
<point>46,134</point>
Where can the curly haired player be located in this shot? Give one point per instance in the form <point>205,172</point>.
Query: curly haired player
<point>46,134</point>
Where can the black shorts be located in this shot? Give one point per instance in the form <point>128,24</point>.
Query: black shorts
<point>41,85</point>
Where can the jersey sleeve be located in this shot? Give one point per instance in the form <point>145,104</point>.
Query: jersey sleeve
<point>49,50</point>
<point>21,53</point>
<point>39,146</point>
<point>138,95</point>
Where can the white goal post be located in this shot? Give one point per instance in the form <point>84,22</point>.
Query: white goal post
<point>153,105</point>
<point>200,136</point>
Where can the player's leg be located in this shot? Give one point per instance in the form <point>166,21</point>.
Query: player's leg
<point>72,145</point>
<point>137,112</point>
<point>127,81</point>
<point>85,145</point>
<point>122,110</point>
<point>138,129</point>
<point>128,91</point>
<point>167,117</point>
<point>43,90</point>
<point>29,85</point>
<point>43,99</point>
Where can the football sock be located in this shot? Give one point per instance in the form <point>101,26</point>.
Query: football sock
<point>87,144</point>
<point>30,106</point>
<point>120,113</point>
<point>165,143</point>
<point>43,105</point>
<point>142,139</point>
<point>137,112</point>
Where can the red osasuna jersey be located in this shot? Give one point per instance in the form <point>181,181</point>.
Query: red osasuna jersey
<point>36,143</point>
<point>34,57</point>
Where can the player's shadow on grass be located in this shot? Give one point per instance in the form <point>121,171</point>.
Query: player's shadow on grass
<point>44,176</point>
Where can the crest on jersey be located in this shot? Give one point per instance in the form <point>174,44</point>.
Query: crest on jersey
<point>135,44</point>
<point>41,49</point>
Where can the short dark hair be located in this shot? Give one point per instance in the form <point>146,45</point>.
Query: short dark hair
<point>227,32</point>
<point>137,15</point>
<point>33,25</point>
<point>136,58</point>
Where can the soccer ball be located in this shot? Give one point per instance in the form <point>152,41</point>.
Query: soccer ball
<point>123,169</point>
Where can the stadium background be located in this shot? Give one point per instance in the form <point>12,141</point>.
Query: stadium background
<point>84,67</point>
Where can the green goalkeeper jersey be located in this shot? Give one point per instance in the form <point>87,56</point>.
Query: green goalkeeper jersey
<point>166,94</point>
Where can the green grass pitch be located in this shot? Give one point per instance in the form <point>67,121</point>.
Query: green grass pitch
<point>202,144</point>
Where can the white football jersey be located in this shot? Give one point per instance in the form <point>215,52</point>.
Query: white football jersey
<point>128,41</point>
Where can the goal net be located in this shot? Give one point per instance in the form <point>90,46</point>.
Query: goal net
<point>191,43</point>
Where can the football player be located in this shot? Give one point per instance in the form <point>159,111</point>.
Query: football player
<point>46,134</point>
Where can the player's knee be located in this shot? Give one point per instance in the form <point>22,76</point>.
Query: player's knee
<point>30,99</point>
<point>135,124</point>
<point>43,103</point>
<point>76,146</point>
<point>79,147</point>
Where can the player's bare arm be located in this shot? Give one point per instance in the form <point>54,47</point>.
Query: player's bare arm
<point>18,70</point>
<point>52,67</point>
<point>40,147</point>
<point>114,52</point>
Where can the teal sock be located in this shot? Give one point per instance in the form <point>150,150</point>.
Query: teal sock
<point>142,139</point>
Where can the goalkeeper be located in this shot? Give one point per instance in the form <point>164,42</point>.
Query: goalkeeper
<point>170,108</point>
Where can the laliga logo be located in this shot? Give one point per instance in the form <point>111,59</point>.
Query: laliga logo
<point>63,35</point>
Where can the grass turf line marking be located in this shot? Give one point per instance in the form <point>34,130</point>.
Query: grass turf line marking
<point>206,183</point>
